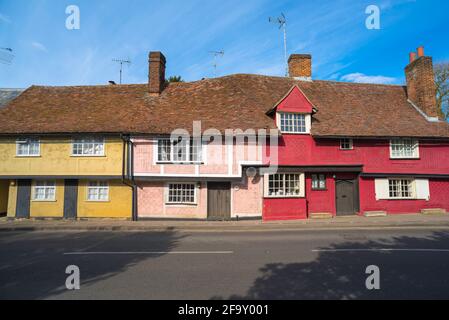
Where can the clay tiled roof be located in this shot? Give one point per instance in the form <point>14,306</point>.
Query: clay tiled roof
<point>236,101</point>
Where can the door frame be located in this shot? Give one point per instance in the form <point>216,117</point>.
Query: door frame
<point>356,195</point>
<point>211,218</point>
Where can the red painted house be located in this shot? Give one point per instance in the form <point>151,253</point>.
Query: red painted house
<point>358,149</point>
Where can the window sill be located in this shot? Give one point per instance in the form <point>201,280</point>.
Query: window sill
<point>284,197</point>
<point>181,205</point>
<point>296,133</point>
<point>405,158</point>
<point>325,189</point>
<point>98,201</point>
<point>50,201</point>
<point>30,156</point>
<point>180,163</point>
<point>88,156</point>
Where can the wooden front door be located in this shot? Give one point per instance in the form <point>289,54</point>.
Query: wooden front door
<point>219,200</point>
<point>346,197</point>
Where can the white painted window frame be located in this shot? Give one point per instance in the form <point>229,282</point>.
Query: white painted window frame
<point>45,185</point>
<point>350,141</point>
<point>420,188</point>
<point>28,142</point>
<point>307,120</point>
<point>96,184</point>
<point>202,161</point>
<point>412,186</point>
<point>86,141</point>
<point>181,204</point>
<point>415,143</point>
<point>301,186</point>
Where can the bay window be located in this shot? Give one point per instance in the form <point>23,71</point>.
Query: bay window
<point>284,185</point>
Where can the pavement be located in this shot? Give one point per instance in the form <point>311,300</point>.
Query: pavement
<point>276,265</point>
<point>388,222</point>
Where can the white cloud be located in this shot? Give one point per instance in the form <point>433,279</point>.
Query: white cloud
<point>39,46</point>
<point>4,18</point>
<point>362,78</point>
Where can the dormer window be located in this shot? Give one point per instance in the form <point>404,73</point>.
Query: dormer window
<point>295,123</point>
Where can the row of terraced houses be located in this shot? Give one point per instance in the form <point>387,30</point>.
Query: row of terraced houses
<point>235,147</point>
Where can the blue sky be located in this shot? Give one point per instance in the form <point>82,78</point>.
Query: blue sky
<point>334,32</point>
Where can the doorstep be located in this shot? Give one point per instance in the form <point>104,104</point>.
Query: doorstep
<point>433,212</point>
<point>321,215</point>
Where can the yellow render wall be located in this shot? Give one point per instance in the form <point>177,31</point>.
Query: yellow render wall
<point>56,159</point>
<point>48,209</point>
<point>12,198</point>
<point>118,206</point>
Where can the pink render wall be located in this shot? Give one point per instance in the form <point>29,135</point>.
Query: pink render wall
<point>246,201</point>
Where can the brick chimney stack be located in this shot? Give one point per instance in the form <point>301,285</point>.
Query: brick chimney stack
<point>156,75</point>
<point>300,66</point>
<point>420,78</point>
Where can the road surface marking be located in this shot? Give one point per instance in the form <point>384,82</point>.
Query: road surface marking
<point>146,253</point>
<point>381,250</point>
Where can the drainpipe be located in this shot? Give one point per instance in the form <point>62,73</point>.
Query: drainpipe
<point>128,171</point>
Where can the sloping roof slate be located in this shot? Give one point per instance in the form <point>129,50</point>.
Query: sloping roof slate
<point>236,101</point>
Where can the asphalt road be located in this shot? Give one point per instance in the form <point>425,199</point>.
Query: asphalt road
<point>229,265</point>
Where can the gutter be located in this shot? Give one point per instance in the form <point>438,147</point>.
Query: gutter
<point>128,171</point>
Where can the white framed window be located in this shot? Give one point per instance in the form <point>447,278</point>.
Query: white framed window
<point>404,149</point>
<point>284,185</point>
<point>44,191</point>
<point>346,144</point>
<point>293,122</point>
<point>27,147</point>
<point>401,189</point>
<point>181,193</point>
<point>406,188</point>
<point>318,182</point>
<point>98,191</point>
<point>88,147</point>
<point>179,151</point>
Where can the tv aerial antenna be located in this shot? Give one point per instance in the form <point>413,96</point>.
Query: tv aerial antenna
<point>6,55</point>
<point>282,22</point>
<point>217,54</point>
<point>122,62</point>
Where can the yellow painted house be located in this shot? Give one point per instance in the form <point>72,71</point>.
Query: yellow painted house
<point>64,177</point>
<point>57,160</point>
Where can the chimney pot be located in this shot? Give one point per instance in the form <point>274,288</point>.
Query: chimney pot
<point>421,83</point>
<point>420,51</point>
<point>156,75</point>
<point>300,66</point>
<point>412,56</point>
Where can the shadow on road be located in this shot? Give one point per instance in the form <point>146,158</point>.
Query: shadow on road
<point>33,267</point>
<point>341,275</point>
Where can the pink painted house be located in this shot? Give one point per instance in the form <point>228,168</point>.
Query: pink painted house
<point>276,148</point>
